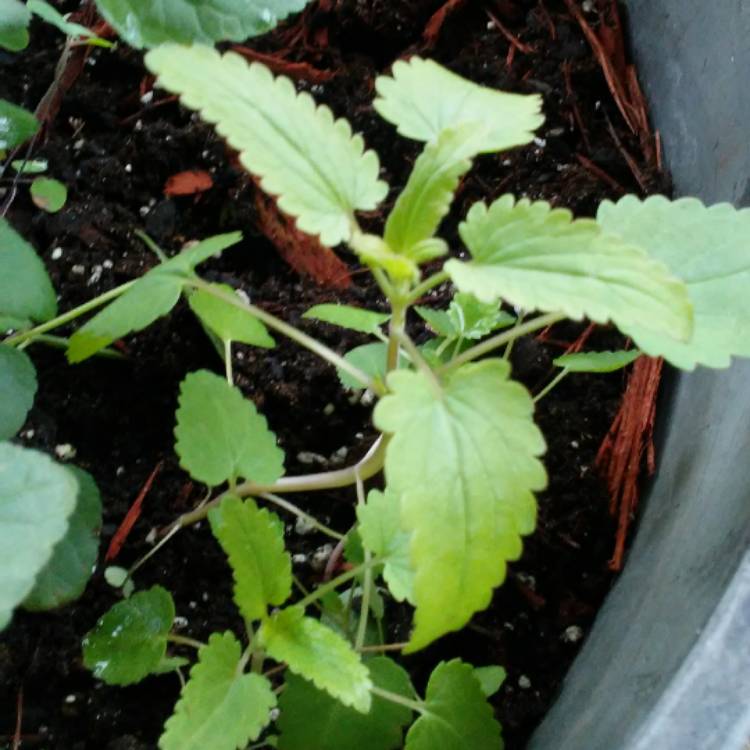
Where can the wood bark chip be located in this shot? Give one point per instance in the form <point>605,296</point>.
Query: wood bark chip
<point>280,66</point>
<point>190,182</point>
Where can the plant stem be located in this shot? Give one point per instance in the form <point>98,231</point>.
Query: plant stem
<point>484,347</point>
<point>509,348</point>
<point>153,550</point>
<point>76,312</point>
<point>396,328</point>
<point>552,383</point>
<point>183,640</point>
<point>382,648</point>
<point>364,611</point>
<point>417,359</point>
<point>370,465</point>
<point>228,361</point>
<point>61,342</point>
<point>401,700</point>
<point>292,508</point>
<point>290,332</point>
<point>421,289</point>
<point>334,583</point>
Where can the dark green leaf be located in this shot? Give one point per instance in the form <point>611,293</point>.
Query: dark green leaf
<point>18,388</point>
<point>597,361</point>
<point>16,125</point>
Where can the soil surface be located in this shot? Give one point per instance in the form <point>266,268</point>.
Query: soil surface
<point>115,149</point>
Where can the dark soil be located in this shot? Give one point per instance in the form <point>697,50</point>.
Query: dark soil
<point>115,154</point>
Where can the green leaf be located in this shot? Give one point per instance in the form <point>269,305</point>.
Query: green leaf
<point>490,678</point>
<point>428,194</point>
<point>10,323</point>
<point>319,171</point>
<point>64,577</point>
<point>51,15</point>
<point>538,258</point>
<point>463,462</point>
<point>14,21</point>
<point>130,641</point>
<point>371,359</point>
<point>597,361</point>
<point>18,387</point>
<point>148,24</point>
<point>37,496</point>
<point>220,708</point>
<point>707,247</point>
<point>318,654</point>
<point>457,715</point>
<point>228,322</point>
<point>220,434</point>
<point>423,99</point>
<point>25,289</point>
<point>29,166</point>
<point>48,194</point>
<point>253,540</point>
<point>380,529</point>
<point>346,316</point>
<point>466,317</point>
<point>313,720</point>
<point>150,297</point>
<point>16,126</point>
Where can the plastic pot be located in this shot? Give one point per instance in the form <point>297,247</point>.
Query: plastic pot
<point>667,663</point>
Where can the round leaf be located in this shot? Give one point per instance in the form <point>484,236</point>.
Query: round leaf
<point>18,388</point>
<point>16,125</point>
<point>14,20</point>
<point>48,194</point>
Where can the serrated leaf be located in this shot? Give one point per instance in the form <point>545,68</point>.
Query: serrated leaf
<point>371,359</point>
<point>48,194</point>
<point>463,461</point>
<point>18,387</point>
<point>466,317</point>
<point>220,434</point>
<point>253,540</point>
<point>597,361</point>
<point>51,15</point>
<point>346,316</point>
<point>14,21</point>
<point>380,529</point>
<point>457,715</point>
<point>37,496</point>
<point>427,196</point>
<point>538,258</point>
<point>63,579</point>
<point>313,720</point>
<point>25,289</point>
<point>150,297</point>
<point>220,708</point>
<point>130,641</point>
<point>16,126</point>
<point>318,654</point>
<point>147,24</point>
<point>423,99</point>
<point>490,678</point>
<point>709,249</point>
<point>228,322</point>
<point>317,168</point>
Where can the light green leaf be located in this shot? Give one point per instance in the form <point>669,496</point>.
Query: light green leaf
<point>130,641</point>
<point>313,720</point>
<point>457,715</point>
<point>371,359</point>
<point>538,258</point>
<point>16,126</point>
<point>18,387</point>
<point>147,24</point>
<point>423,99</point>
<point>25,289</point>
<point>37,496</point>
<point>48,194</point>
<point>428,194</point>
<point>466,317</point>
<point>14,21</point>
<point>228,322</point>
<point>597,361</point>
<point>220,708</point>
<point>709,249</point>
<point>319,171</point>
<point>220,434</point>
<point>463,461</point>
<point>63,579</point>
<point>375,253</point>
<point>150,297</point>
<point>51,15</point>
<point>253,540</point>
<point>346,316</point>
<point>380,529</point>
<point>318,654</point>
<point>490,678</point>
<point>30,166</point>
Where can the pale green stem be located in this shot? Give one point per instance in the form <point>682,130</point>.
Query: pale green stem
<point>377,649</point>
<point>552,383</point>
<point>398,318</point>
<point>153,550</point>
<point>61,342</point>
<point>422,288</point>
<point>183,640</point>
<point>76,312</point>
<point>228,361</point>
<point>417,359</point>
<point>399,699</point>
<point>334,583</point>
<point>509,347</point>
<point>290,332</point>
<point>247,654</point>
<point>494,342</point>
<point>152,246</point>
<point>364,611</point>
<point>292,508</point>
